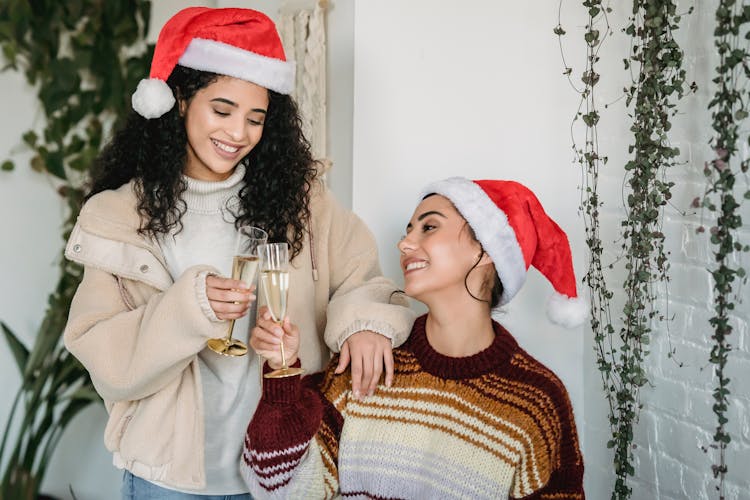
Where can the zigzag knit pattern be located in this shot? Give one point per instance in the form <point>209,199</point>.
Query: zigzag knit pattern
<point>497,424</point>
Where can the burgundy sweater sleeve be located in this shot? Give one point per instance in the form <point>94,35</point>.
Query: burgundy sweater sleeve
<point>291,443</point>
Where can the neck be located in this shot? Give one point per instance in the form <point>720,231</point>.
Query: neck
<point>212,196</point>
<point>459,326</point>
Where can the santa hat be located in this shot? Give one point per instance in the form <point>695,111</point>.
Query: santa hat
<point>516,233</point>
<point>242,43</point>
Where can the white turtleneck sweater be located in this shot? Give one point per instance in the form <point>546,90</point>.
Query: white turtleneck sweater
<point>231,390</point>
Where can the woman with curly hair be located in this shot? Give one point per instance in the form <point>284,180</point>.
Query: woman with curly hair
<point>215,144</point>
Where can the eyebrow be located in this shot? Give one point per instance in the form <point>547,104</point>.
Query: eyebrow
<point>234,104</point>
<point>426,214</point>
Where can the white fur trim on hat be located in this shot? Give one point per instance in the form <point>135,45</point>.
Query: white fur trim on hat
<point>225,59</point>
<point>566,311</point>
<point>152,98</point>
<point>490,225</point>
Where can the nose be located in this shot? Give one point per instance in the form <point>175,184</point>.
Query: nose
<point>406,244</point>
<point>235,128</point>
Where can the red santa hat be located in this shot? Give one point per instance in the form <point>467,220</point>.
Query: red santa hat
<point>242,43</point>
<point>516,233</point>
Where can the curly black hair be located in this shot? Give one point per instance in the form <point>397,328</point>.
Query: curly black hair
<point>279,172</point>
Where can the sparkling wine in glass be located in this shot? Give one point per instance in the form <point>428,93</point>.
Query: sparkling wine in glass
<point>274,283</point>
<point>244,268</point>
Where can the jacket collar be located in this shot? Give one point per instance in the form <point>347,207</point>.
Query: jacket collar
<point>106,237</point>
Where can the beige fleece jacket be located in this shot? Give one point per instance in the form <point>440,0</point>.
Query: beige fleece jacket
<point>138,333</point>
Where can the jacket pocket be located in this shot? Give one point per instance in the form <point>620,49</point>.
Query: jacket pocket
<point>120,415</point>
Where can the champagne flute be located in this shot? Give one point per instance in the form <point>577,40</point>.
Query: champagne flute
<point>274,283</point>
<point>244,268</point>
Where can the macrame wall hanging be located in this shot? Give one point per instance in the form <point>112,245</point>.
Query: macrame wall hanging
<point>303,33</point>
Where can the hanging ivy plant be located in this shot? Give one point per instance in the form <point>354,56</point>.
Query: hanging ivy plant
<point>591,161</point>
<point>656,59</point>
<point>730,108</point>
<point>84,57</point>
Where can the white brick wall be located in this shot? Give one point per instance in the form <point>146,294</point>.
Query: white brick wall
<point>677,420</point>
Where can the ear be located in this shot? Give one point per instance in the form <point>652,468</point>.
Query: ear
<point>181,103</point>
<point>485,259</point>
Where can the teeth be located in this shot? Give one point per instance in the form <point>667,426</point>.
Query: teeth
<point>224,147</point>
<point>416,265</point>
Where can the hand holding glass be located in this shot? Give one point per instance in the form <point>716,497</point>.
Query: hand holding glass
<point>274,286</point>
<point>244,268</point>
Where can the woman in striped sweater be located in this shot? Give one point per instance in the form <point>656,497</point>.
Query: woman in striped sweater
<point>468,413</point>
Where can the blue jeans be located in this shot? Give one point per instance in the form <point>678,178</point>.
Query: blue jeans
<point>136,488</point>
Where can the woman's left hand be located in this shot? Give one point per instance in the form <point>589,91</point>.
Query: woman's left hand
<point>369,353</point>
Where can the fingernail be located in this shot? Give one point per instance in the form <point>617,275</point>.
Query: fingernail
<point>278,332</point>
<point>356,394</point>
<point>251,296</point>
<point>244,285</point>
<point>371,393</point>
<point>267,316</point>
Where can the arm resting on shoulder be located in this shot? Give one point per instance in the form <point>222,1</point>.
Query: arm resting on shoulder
<point>360,297</point>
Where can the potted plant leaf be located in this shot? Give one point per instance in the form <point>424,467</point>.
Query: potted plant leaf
<point>83,58</point>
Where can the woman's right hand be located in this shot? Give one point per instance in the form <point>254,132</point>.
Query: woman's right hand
<point>230,299</point>
<point>266,336</point>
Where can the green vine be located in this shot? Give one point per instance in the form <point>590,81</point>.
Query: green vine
<point>730,107</point>
<point>84,58</point>
<point>657,59</point>
<point>659,80</point>
<point>591,162</point>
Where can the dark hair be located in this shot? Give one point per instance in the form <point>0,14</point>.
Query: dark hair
<point>278,178</point>
<point>496,291</point>
<point>496,288</point>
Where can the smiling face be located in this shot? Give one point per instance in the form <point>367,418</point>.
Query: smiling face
<point>224,122</point>
<point>438,252</point>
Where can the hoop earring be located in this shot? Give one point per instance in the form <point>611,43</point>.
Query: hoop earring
<point>466,279</point>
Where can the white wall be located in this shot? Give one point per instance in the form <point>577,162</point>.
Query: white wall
<point>340,97</point>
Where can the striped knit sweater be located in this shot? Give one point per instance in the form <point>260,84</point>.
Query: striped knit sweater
<point>497,424</point>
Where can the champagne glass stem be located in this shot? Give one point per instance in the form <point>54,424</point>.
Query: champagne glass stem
<point>283,356</point>
<point>228,338</point>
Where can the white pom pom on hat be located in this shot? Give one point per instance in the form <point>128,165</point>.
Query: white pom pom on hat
<point>515,231</point>
<point>242,43</point>
<point>567,311</point>
<point>152,98</point>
